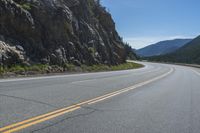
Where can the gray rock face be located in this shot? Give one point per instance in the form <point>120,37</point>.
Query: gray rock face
<point>11,54</point>
<point>55,31</point>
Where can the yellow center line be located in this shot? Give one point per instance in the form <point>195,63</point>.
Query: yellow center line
<point>54,112</point>
<point>41,118</point>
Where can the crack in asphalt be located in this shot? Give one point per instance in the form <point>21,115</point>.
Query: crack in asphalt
<point>76,116</point>
<point>93,110</point>
<point>67,118</point>
<point>30,100</point>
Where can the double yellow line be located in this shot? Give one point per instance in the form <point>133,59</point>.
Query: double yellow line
<point>41,118</point>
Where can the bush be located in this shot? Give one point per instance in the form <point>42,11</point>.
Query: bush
<point>37,68</point>
<point>1,70</point>
<point>26,6</point>
<point>16,69</point>
<point>19,69</point>
<point>101,67</point>
<point>91,50</point>
<point>69,67</point>
<point>95,68</point>
<point>40,68</point>
<point>125,66</point>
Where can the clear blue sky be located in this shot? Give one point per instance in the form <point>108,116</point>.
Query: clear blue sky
<point>142,22</point>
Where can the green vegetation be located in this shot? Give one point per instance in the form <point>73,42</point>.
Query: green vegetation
<point>102,67</point>
<point>26,6</point>
<point>1,70</point>
<point>22,70</point>
<point>69,67</point>
<point>92,50</point>
<point>126,66</point>
<point>95,68</point>
<point>42,69</point>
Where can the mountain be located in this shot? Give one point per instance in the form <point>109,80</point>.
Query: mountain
<point>58,32</point>
<point>190,53</point>
<point>162,47</point>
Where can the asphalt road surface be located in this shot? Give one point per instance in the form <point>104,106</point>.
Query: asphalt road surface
<point>158,98</point>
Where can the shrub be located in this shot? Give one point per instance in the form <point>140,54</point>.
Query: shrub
<point>1,70</point>
<point>40,68</point>
<point>129,65</point>
<point>91,50</point>
<point>69,67</point>
<point>37,68</point>
<point>16,69</point>
<point>101,67</point>
<point>26,6</point>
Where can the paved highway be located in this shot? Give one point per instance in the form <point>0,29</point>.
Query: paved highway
<point>158,98</point>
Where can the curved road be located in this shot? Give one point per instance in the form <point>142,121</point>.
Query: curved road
<point>158,98</point>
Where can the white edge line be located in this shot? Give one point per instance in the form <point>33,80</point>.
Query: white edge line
<point>129,88</point>
<point>198,73</point>
<point>62,76</point>
<point>136,74</point>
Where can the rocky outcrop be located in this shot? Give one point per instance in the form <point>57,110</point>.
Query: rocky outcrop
<point>11,54</point>
<point>59,32</point>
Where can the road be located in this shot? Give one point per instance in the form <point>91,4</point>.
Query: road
<point>158,98</point>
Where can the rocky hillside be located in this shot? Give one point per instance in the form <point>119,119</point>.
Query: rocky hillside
<point>162,47</point>
<point>58,32</point>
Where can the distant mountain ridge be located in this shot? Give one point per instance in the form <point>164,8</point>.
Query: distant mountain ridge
<point>162,47</point>
<point>189,53</point>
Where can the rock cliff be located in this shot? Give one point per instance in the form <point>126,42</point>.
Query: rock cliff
<point>58,32</point>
